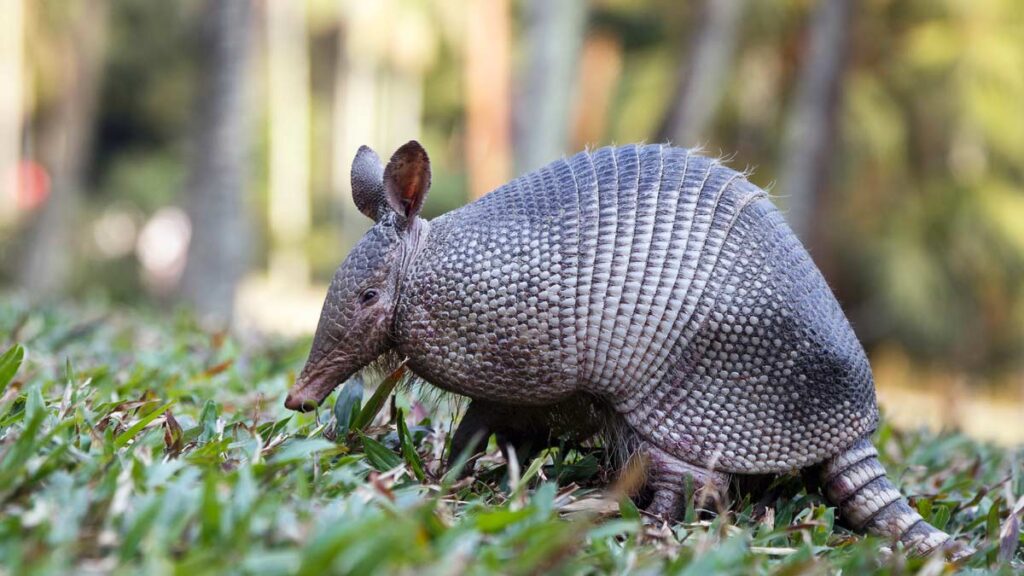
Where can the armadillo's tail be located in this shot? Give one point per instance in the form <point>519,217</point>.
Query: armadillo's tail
<point>855,481</point>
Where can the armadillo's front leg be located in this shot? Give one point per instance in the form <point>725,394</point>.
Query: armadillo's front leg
<point>524,429</point>
<point>527,429</point>
<point>666,478</point>
<point>471,434</point>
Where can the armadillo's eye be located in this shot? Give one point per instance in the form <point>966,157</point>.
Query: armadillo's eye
<point>369,296</point>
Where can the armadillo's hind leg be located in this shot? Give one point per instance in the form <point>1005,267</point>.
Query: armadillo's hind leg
<point>666,480</point>
<point>856,482</point>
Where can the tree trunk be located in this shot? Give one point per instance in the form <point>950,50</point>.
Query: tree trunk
<point>65,144</point>
<point>378,89</point>
<point>703,73</point>
<point>487,94</point>
<point>217,183</point>
<point>288,77</point>
<point>598,77</point>
<point>354,123</point>
<point>553,35</point>
<point>11,51</point>
<point>810,133</point>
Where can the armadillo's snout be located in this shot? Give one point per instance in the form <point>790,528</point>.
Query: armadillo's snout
<point>300,396</point>
<point>299,402</point>
<point>311,388</point>
<point>319,377</point>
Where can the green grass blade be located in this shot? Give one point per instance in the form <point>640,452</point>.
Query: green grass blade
<point>126,436</point>
<point>529,475</point>
<point>346,407</point>
<point>301,450</point>
<point>380,456</point>
<point>10,362</point>
<point>208,422</point>
<point>26,445</point>
<point>376,402</point>
<point>412,458</point>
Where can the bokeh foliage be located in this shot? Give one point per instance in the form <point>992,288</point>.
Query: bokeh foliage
<point>923,215</point>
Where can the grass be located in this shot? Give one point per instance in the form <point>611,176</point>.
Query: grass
<point>131,443</point>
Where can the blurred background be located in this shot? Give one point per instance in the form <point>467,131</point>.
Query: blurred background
<point>196,153</point>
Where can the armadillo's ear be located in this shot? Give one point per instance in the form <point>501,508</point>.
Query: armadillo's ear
<point>368,183</point>
<point>407,179</point>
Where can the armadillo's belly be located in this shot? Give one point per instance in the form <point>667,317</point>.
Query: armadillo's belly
<point>761,372</point>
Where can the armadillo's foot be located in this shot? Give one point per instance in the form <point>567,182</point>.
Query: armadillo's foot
<point>666,477</point>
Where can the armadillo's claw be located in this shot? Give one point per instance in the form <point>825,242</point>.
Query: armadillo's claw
<point>952,551</point>
<point>957,552</point>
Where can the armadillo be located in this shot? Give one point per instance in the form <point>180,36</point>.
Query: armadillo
<point>648,278</point>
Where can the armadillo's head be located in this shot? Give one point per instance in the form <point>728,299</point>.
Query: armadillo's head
<point>358,313</point>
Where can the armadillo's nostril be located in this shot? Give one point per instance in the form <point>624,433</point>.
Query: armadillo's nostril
<point>311,387</point>
<point>290,403</point>
<point>297,402</point>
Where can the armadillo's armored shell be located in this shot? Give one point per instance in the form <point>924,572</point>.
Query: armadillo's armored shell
<point>657,279</point>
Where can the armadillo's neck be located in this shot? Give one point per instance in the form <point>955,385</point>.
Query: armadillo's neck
<point>475,318</point>
<point>415,238</point>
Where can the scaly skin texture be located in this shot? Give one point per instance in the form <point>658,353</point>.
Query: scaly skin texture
<point>660,281</point>
<point>646,279</point>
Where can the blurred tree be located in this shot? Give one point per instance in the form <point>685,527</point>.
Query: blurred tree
<point>354,112</point>
<point>623,88</point>
<point>811,126</point>
<point>702,73</point>
<point>64,147</point>
<point>289,91</point>
<point>11,24</point>
<point>921,232</point>
<point>487,61</point>
<point>217,183</point>
<point>932,220</point>
<point>551,39</point>
<point>598,77</point>
<point>383,52</point>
